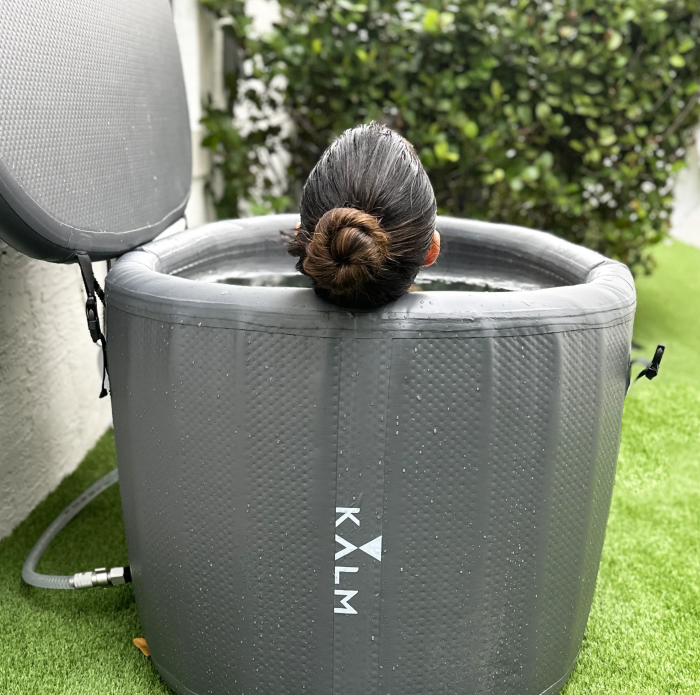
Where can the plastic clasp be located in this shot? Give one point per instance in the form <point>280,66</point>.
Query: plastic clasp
<point>93,320</point>
<point>653,369</point>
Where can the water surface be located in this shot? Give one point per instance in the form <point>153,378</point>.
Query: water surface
<point>422,284</point>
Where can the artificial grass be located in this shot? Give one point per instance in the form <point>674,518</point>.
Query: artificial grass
<point>644,629</point>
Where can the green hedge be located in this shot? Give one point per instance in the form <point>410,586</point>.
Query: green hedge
<point>570,116</point>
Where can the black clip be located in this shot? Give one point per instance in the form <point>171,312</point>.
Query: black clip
<point>651,369</point>
<point>93,318</point>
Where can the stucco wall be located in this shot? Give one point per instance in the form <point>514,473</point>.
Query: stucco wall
<point>50,414</point>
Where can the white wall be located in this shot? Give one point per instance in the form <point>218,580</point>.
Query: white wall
<point>685,221</point>
<point>201,49</point>
<point>50,413</point>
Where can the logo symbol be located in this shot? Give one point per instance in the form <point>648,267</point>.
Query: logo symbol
<point>373,548</point>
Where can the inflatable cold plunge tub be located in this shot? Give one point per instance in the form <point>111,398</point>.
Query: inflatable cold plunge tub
<point>408,501</point>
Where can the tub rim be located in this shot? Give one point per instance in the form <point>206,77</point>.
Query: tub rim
<point>601,291</point>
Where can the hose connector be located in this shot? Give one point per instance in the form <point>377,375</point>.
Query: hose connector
<point>101,577</point>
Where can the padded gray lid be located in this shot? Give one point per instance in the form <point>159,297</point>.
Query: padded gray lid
<point>95,150</point>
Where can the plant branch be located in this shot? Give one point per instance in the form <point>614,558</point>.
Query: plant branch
<point>678,122</point>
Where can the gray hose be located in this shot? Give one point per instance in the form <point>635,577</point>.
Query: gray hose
<point>99,577</point>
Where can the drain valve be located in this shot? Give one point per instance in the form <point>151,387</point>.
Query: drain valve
<point>101,577</point>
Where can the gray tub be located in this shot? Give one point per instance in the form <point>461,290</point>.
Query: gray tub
<point>407,501</point>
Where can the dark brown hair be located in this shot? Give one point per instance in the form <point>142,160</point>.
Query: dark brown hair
<point>367,219</point>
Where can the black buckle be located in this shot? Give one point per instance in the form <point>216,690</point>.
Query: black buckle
<point>93,319</point>
<point>91,313</point>
<point>653,369</point>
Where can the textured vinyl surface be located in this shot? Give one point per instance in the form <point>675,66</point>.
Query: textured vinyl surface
<point>94,134</point>
<point>481,464</point>
<point>329,510</point>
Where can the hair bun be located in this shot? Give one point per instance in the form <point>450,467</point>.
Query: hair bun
<point>348,248</point>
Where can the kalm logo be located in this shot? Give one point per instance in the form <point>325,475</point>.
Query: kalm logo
<point>373,549</point>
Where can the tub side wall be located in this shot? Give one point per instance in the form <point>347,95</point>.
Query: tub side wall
<point>498,487</point>
<point>226,442</point>
<point>466,482</point>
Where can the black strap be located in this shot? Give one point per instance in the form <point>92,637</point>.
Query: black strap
<point>651,369</point>
<point>93,290</point>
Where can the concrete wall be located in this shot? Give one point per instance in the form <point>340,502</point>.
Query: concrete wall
<point>50,414</point>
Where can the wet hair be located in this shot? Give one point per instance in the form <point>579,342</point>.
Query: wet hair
<point>367,219</point>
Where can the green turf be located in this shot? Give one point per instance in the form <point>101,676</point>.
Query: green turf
<point>644,631</point>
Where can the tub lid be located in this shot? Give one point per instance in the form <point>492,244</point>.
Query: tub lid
<point>95,150</point>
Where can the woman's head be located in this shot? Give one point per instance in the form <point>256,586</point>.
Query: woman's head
<point>367,219</point>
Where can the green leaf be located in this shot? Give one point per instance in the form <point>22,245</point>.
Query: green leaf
<point>470,129</point>
<point>578,59</point>
<point>316,45</point>
<point>686,45</point>
<point>443,152</point>
<point>543,110</point>
<point>362,54</point>
<point>496,90</point>
<point>446,18</point>
<point>607,136</point>
<point>593,87</point>
<point>531,173</point>
<point>431,21</point>
<point>546,160</point>
<point>659,15</point>
<point>565,31</point>
<point>613,39</point>
<point>524,114</point>
<point>593,156</point>
<point>677,60</point>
